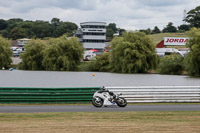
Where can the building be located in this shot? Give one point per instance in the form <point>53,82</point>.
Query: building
<point>22,42</point>
<point>92,35</point>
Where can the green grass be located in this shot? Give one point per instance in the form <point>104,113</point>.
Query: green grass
<point>159,37</point>
<point>98,122</point>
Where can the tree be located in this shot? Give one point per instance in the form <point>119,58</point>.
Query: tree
<point>3,24</point>
<point>42,29</point>
<point>65,28</point>
<point>192,60</point>
<point>5,53</point>
<point>101,63</point>
<point>147,31</point>
<point>62,54</point>
<point>121,31</point>
<point>110,30</point>
<point>155,30</point>
<point>193,17</point>
<point>55,21</point>
<point>33,55</point>
<point>17,33</point>
<point>27,26</point>
<point>184,27</point>
<point>18,28</point>
<point>133,53</point>
<point>171,64</point>
<point>169,28</point>
<point>13,23</point>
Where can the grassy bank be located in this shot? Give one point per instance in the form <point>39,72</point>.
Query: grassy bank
<point>98,122</point>
<point>159,37</point>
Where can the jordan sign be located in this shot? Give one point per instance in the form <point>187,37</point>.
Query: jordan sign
<point>175,41</point>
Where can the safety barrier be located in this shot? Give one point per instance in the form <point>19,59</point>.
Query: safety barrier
<point>84,94</point>
<point>159,93</point>
<point>46,95</point>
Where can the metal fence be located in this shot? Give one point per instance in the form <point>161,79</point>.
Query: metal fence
<point>46,95</point>
<point>84,94</point>
<point>159,93</point>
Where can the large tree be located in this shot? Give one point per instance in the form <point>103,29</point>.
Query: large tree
<point>133,53</point>
<point>3,24</point>
<point>171,64</point>
<point>42,29</point>
<point>65,28</point>
<point>62,54</point>
<point>193,17</point>
<point>147,31</point>
<point>184,27</point>
<point>192,60</point>
<point>17,33</point>
<point>110,30</point>
<point>155,30</point>
<point>55,21</point>
<point>5,53</point>
<point>33,55</point>
<point>169,28</point>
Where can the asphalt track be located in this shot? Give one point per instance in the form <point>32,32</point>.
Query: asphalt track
<point>90,108</point>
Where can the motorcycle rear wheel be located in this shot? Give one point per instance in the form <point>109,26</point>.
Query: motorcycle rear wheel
<point>121,102</point>
<point>97,102</point>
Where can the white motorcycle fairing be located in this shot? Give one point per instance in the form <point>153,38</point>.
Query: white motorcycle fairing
<point>106,98</point>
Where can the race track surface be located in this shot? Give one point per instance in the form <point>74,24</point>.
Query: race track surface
<point>90,108</point>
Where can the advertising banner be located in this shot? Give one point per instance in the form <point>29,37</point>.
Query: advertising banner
<point>175,41</point>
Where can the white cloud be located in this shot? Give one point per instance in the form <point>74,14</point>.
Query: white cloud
<point>128,14</point>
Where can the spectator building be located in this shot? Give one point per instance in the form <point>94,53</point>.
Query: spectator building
<point>92,35</point>
<point>22,42</point>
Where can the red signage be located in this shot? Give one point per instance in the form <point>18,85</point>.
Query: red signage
<point>180,41</point>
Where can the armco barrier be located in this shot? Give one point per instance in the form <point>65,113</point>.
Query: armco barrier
<point>46,95</point>
<point>84,95</point>
<point>159,93</point>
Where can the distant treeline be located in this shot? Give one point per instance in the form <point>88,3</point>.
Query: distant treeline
<point>169,28</point>
<point>18,28</point>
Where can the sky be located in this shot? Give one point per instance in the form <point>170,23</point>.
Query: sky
<point>126,14</point>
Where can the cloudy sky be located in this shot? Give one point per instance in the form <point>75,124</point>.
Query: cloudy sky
<point>127,14</point>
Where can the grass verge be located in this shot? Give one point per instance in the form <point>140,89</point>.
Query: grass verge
<point>99,122</point>
<point>159,37</point>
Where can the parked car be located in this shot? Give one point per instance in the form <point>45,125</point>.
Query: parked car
<point>167,51</point>
<point>88,55</point>
<point>16,53</point>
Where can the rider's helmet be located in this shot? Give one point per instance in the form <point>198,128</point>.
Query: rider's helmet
<point>102,88</point>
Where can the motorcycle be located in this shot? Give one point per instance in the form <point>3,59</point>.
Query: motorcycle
<point>106,98</point>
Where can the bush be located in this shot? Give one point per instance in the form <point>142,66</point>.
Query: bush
<point>171,64</point>
<point>5,53</point>
<point>192,60</point>
<point>101,63</point>
<point>33,55</point>
<point>133,53</point>
<point>62,54</point>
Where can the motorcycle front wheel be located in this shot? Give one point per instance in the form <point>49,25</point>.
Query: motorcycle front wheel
<point>97,102</point>
<point>121,102</point>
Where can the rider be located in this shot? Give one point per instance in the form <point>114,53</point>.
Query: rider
<point>103,89</point>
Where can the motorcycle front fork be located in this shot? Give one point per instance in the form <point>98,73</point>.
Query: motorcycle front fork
<point>112,100</point>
